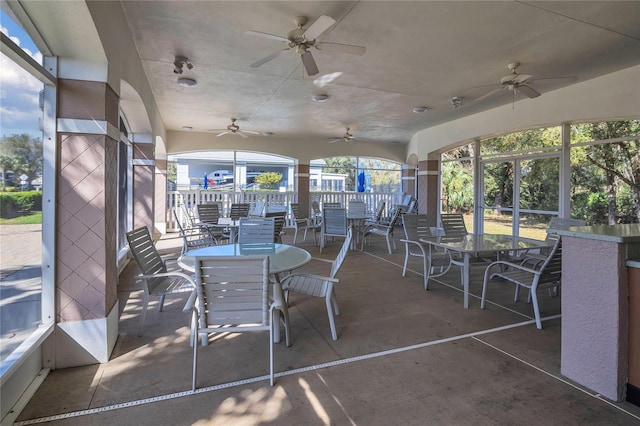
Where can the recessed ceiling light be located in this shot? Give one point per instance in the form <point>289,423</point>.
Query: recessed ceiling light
<point>319,98</point>
<point>187,82</point>
<point>268,133</point>
<point>419,110</point>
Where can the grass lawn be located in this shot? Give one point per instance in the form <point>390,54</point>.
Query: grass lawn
<point>495,224</point>
<point>30,218</point>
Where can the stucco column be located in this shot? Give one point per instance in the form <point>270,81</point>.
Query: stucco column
<point>428,187</point>
<point>160,199</point>
<point>86,223</point>
<point>301,188</point>
<point>409,180</point>
<point>143,185</point>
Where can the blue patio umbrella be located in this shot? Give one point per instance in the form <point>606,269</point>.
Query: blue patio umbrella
<point>361,181</point>
<point>206,182</point>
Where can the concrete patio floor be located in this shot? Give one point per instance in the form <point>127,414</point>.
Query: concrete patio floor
<point>404,356</point>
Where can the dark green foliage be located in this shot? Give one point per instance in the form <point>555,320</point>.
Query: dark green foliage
<point>12,203</point>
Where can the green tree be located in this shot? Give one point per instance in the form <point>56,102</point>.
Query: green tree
<point>268,180</point>
<point>21,154</point>
<point>342,165</point>
<point>611,170</point>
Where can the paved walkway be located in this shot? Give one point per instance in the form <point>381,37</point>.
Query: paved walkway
<point>20,283</point>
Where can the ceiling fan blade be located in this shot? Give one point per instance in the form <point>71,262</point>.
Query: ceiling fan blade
<point>321,25</point>
<point>266,35</point>
<point>250,132</point>
<point>528,91</point>
<point>487,95</point>
<point>341,48</point>
<point>241,134</point>
<point>223,133</point>
<point>334,140</point>
<point>309,64</point>
<point>521,78</point>
<point>268,58</point>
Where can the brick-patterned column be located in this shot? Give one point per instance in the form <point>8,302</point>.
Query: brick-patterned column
<point>428,187</point>
<point>86,219</point>
<point>302,188</point>
<point>143,186</point>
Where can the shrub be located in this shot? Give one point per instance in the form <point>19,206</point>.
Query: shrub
<point>12,203</point>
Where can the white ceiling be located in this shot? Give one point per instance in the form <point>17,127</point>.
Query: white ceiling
<point>419,53</point>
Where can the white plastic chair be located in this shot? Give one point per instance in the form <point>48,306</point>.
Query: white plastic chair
<point>416,226</point>
<point>319,285</point>
<point>297,222</point>
<point>256,230</point>
<point>547,275</point>
<point>232,297</point>
<point>383,229</point>
<point>193,238</point>
<point>334,224</point>
<point>156,279</point>
<point>279,219</point>
<point>258,209</point>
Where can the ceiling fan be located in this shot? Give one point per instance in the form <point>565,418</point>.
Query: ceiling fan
<point>517,83</point>
<point>234,129</point>
<point>347,137</point>
<point>300,40</point>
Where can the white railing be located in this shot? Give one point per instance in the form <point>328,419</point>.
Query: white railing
<point>186,201</point>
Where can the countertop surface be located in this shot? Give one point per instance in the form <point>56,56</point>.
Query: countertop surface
<point>626,233</point>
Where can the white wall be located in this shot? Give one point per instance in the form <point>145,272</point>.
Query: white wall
<point>612,97</point>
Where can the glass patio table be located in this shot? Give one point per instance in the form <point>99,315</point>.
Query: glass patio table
<point>472,245</point>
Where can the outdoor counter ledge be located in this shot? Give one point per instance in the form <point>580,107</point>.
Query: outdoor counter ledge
<point>633,263</point>
<point>627,233</point>
<point>595,305</point>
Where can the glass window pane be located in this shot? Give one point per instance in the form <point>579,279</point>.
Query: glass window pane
<point>540,184</point>
<point>533,225</point>
<point>20,222</point>
<point>523,141</point>
<point>605,178</point>
<point>15,32</point>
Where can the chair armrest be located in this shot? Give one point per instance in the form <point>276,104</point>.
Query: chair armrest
<point>319,259</point>
<point>314,276</point>
<point>167,274</point>
<point>512,265</point>
<point>191,303</point>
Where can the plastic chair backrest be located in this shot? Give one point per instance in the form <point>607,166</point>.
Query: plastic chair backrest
<point>256,230</point>
<point>453,224</point>
<point>239,210</point>
<point>337,263</point>
<point>334,222</point>
<point>357,208</point>
<point>233,290</point>
<point>145,254</point>
<point>208,213</point>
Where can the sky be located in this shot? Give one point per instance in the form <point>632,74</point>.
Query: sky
<point>19,91</point>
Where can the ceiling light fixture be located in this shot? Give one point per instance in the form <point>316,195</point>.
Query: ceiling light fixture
<point>320,98</point>
<point>179,62</point>
<point>188,128</point>
<point>419,110</point>
<point>187,82</point>
<point>457,101</point>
